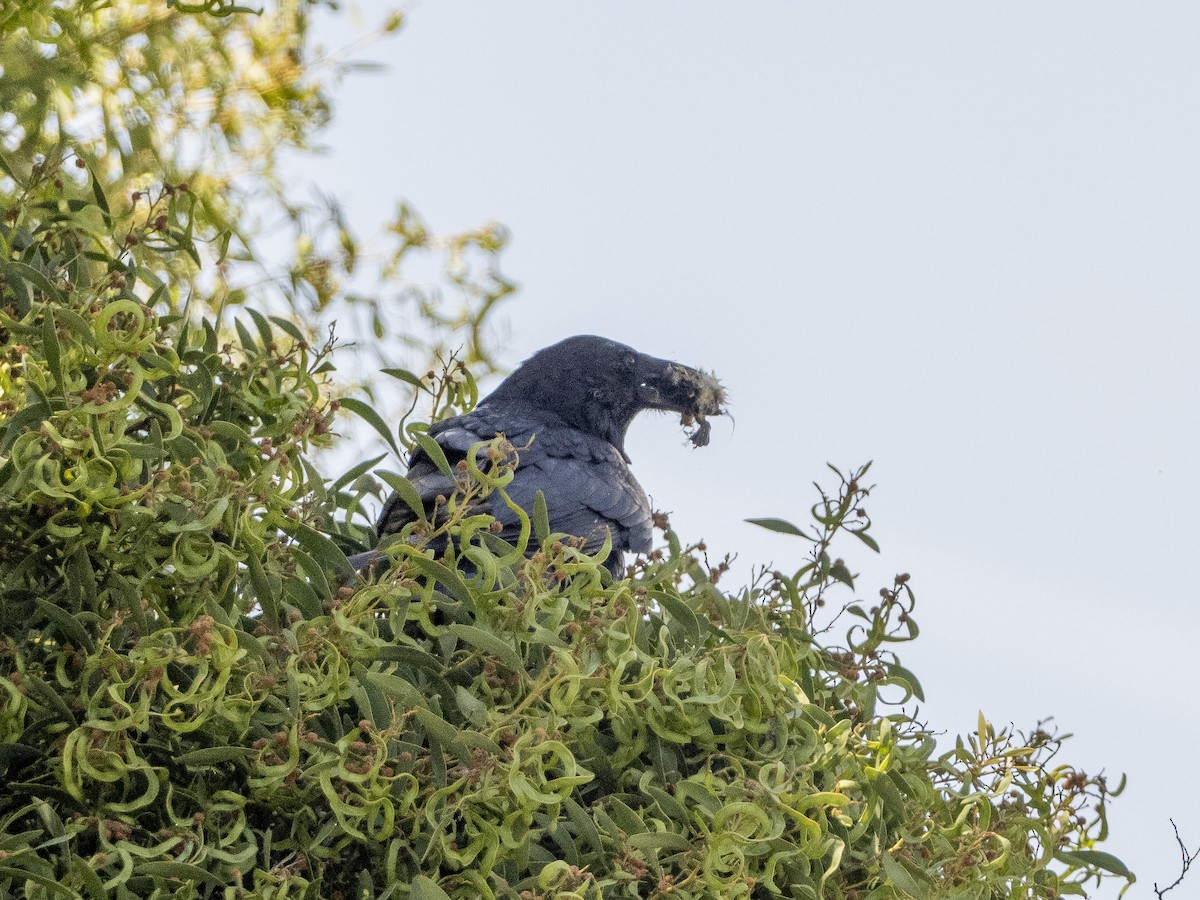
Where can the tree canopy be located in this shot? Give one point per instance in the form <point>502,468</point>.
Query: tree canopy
<point>199,699</point>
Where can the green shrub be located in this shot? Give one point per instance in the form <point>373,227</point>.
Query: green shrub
<point>198,699</point>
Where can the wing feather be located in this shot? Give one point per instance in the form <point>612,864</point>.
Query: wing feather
<point>587,484</point>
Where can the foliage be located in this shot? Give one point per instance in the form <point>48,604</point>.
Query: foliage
<point>143,96</point>
<point>198,699</point>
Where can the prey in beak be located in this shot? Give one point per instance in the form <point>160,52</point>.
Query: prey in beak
<point>695,395</point>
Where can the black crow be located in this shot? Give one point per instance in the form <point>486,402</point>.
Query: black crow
<point>566,409</point>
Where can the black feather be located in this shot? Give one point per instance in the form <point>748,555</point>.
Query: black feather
<point>569,406</point>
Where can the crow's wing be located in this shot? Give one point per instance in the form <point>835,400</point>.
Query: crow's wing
<point>587,484</point>
<point>588,488</point>
<point>455,436</point>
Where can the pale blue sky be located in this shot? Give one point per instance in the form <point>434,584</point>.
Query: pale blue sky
<point>958,239</point>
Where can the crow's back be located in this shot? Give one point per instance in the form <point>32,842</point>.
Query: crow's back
<point>586,482</point>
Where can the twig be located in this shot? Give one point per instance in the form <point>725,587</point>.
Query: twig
<point>1188,859</point>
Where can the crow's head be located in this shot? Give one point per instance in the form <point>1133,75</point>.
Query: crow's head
<point>598,386</point>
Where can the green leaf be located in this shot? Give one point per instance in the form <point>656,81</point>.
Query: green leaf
<point>49,697</point>
<point>433,686</point>
<point>900,877</point>
<point>405,376</point>
<point>101,200</point>
<point>372,418</point>
<point>370,699</point>
<point>354,472</point>
<point>865,538</point>
<point>629,821</point>
<point>265,590</point>
<point>473,709</point>
<point>322,549</point>
<point>49,883</point>
<point>19,271</point>
<point>183,872</point>
<point>584,826</point>
<point>300,594</point>
<point>447,578</point>
<point>244,335</point>
<point>82,870</point>
<point>668,804</point>
<point>28,419</point>
<point>69,626</point>
<point>223,241</point>
<point>890,793</point>
<point>214,756</point>
<point>541,517</point>
<point>1094,858</point>
<point>413,657</point>
<point>679,613</point>
<point>405,491</point>
<point>441,731</point>
<point>304,594</point>
<point>781,526</point>
<point>489,644</point>
<point>52,350</point>
<point>424,888</point>
<point>898,673</point>
<point>660,840</point>
<point>435,453</point>
<point>77,323</point>
<point>7,168</point>
<point>473,740</point>
<point>264,327</point>
<point>290,327</point>
<point>407,696</point>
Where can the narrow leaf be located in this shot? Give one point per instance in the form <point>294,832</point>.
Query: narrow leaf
<point>490,644</point>
<point>1094,858</point>
<point>541,517</point>
<point>405,491</point>
<point>405,376</point>
<point>244,335</point>
<point>53,352</point>
<point>679,613</point>
<point>290,327</point>
<point>866,539</point>
<point>372,418</point>
<point>213,756</point>
<point>101,200</point>
<point>406,696</point>
<point>424,888</point>
<point>660,840</point>
<point>781,526</point>
<point>449,580</point>
<point>435,453</point>
<point>264,327</point>
<point>355,471</point>
<point>320,547</point>
<point>69,626</point>
<point>902,675</point>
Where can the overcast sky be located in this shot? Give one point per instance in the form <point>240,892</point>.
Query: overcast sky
<point>962,240</point>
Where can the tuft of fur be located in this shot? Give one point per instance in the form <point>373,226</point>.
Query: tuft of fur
<point>708,399</point>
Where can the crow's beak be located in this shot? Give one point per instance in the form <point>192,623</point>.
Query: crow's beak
<point>667,385</point>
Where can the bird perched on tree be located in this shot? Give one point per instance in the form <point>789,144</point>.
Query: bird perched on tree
<point>567,409</point>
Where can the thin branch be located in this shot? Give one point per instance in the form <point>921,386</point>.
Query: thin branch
<point>1187,858</point>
